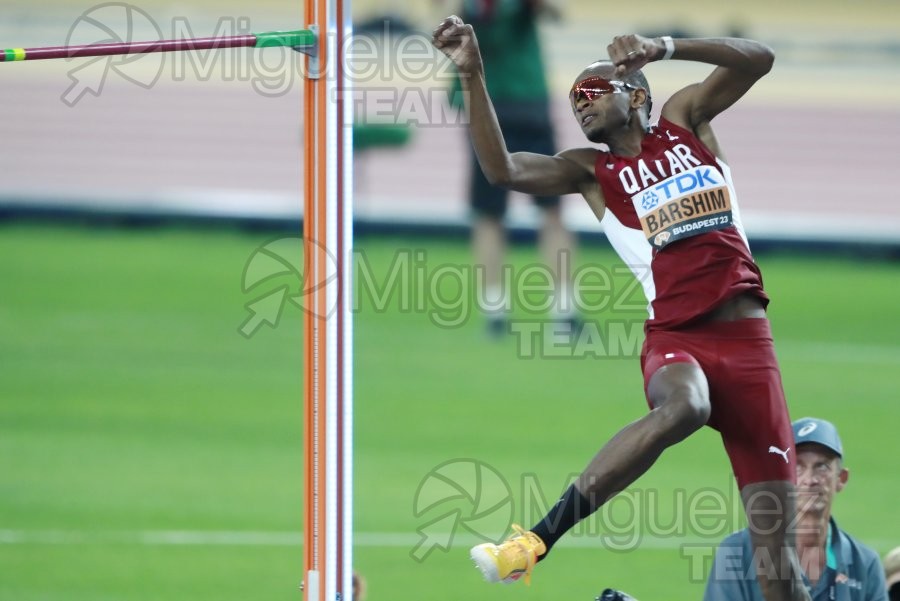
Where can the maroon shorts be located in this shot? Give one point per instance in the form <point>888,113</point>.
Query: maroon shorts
<point>745,391</point>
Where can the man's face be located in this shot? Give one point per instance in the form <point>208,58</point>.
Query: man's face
<point>600,101</point>
<point>820,475</point>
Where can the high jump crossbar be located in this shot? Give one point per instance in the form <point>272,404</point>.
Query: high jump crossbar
<point>303,40</point>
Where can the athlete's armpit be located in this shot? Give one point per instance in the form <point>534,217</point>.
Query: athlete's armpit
<point>542,175</point>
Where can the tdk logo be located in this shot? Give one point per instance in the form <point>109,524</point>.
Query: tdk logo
<point>649,200</point>
<point>684,183</point>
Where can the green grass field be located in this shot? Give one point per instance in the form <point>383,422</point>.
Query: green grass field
<point>149,451</point>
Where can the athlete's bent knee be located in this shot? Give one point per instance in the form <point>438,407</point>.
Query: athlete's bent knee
<point>690,410</point>
<point>680,391</point>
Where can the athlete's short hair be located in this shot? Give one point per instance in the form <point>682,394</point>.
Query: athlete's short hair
<point>636,79</point>
<point>639,80</point>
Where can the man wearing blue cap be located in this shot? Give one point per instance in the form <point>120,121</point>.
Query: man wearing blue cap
<point>836,566</point>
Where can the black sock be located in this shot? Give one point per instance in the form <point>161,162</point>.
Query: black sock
<point>568,511</point>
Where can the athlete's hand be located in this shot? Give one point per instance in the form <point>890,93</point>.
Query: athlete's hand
<point>457,40</point>
<point>631,52</point>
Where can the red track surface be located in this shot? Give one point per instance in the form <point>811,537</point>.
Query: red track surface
<point>215,140</point>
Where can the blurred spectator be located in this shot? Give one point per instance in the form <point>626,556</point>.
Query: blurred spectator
<point>384,23</point>
<point>509,40</point>
<point>379,134</point>
<point>359,587</point>
<point>835,565</point>
<point>892,574</point>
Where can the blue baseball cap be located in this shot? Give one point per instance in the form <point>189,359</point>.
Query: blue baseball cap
<point>819,431</point>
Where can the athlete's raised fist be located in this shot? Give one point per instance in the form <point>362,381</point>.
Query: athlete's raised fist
<point>457,40</point>
<point>631,52</point>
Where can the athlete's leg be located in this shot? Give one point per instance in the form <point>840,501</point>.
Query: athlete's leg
<point>679,397</point>
<point>770,508</point>
<point>751,413</point>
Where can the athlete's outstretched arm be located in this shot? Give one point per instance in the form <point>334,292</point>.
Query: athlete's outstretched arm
<point>521,171</point>
<point>739,64</point>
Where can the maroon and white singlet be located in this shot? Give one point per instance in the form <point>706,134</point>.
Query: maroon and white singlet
<point>673,209</point>
<point>672,216</point>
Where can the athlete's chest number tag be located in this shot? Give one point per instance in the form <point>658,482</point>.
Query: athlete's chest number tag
<point>684,205</point>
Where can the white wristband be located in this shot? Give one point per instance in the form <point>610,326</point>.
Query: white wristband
<point>670,47</point>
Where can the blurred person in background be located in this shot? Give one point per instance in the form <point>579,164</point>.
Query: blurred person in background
<point>359,587</point>
<point>510,43</point>
<point>836,566</point>
<point>667,202</point>
<point>892,574</point>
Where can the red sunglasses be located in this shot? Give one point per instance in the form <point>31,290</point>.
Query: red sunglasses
<point>595,87</point>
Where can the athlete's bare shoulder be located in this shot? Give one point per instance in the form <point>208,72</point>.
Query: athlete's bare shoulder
<point>586,155</point>
<point>583,157</point>
<point>588,187</point>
